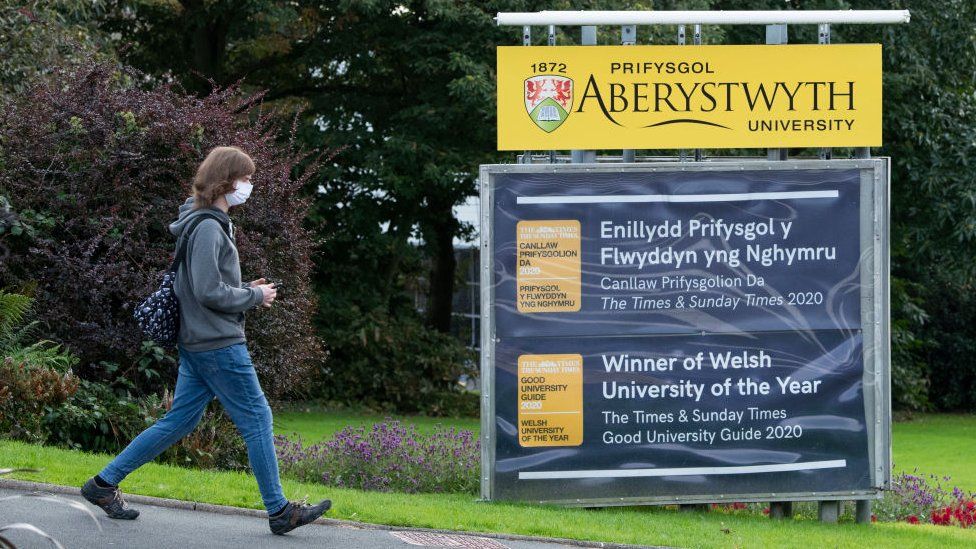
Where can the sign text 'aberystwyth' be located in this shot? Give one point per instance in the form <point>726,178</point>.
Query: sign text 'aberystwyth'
<point>667,97</point>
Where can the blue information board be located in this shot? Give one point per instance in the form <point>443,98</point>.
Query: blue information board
<point>681,335</point>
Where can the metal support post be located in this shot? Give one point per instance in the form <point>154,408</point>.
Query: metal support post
<point>823,37</point>
<point>551,40</point>
<point>862,512</point>
<point>776,34</point>
<point>698,152</point>
<point>829,511</point>
<point>682,153</point>
<point>781,510</point>
<point>628,37</point>
<point>588,38</point>
<point>527,41</point>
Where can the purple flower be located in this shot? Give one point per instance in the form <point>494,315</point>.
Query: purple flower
<point>387,456</point>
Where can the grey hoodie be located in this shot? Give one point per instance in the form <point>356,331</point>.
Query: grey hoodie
<point>208,284</point>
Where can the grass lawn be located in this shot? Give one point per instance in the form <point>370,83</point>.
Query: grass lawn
<point>941,444</point>
<point>653,526</point>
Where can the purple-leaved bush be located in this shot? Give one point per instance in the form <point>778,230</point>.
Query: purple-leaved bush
<point>389,457</point>
<point>93,167</point>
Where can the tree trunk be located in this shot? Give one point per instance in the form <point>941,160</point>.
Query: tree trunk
<point>440,240</point>
<point>206,42</point>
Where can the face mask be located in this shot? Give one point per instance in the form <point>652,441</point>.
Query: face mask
<point>241,193</point>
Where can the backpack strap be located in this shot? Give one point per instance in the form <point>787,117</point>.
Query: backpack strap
<point>185,236</point>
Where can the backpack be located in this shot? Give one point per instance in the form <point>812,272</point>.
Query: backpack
<point>159,314</point>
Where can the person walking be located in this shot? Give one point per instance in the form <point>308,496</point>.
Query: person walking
<point>214,360</point>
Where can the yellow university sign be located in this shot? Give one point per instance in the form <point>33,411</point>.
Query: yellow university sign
<point>670,97</point>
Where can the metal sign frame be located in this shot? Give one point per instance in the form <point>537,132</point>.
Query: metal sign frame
<point>875,319</point>
<point>704,17</point>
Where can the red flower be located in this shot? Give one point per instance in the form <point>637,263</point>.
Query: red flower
<point>912,520</point>
<point>965,513</point>
<point>942,517</point>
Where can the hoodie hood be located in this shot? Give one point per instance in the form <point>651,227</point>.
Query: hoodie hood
<point>187,213</point>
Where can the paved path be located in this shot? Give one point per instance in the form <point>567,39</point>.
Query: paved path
<point>184,529</point>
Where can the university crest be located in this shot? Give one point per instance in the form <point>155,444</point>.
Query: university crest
<point>548,100</point>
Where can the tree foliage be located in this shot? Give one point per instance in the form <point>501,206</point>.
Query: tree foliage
<point>37,35</point>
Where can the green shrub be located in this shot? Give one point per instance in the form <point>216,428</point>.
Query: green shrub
<point>27,393</point>
<point>17,341</point>
<point>95,419</point>
<point>950,354</point>
<point>35,376</point>
<point>214,444</point>
<point>910,384</point>
<point>98,418</point>
<point>395,365</point>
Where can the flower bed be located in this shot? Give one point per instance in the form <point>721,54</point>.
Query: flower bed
<point>388,457</point>
<point>919,499</point>
<point>913,498</point>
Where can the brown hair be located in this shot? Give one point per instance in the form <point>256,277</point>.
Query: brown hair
<point>217,173</point>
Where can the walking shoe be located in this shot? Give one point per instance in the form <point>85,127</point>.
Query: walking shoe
<point>295,514</point>
<point>109,499</point>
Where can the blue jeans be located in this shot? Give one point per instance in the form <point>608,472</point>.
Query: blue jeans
<point>228,374</point>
